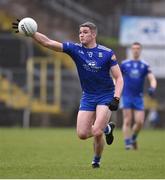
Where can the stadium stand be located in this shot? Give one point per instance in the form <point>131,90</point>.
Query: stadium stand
<point>59,20</point>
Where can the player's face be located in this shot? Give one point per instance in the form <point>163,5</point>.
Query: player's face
<point>86,35</point>
<point>136,50</point>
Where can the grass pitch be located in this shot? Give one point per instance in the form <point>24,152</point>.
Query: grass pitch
<point>58,153</point>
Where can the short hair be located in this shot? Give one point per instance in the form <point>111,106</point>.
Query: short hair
<point>137,43</point>
<point>90,25</point>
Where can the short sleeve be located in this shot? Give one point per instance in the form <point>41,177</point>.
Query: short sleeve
<point>122,67</point>
<point>148,69</point>
<point>68,48</point>
<point>113,59</point>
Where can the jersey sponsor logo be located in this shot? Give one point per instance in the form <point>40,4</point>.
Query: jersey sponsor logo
<point>113,57</point>
<point>134,73</point>
<point>91,66</point>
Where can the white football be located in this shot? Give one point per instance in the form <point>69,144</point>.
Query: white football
<point>27,26</point>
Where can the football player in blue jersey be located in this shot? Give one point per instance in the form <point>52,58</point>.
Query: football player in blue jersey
<point>99,94</point>
<point>134,72</point>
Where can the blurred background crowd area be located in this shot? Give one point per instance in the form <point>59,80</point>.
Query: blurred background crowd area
<point>39,87</point>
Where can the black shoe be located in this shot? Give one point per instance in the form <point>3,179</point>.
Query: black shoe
<point>109,137</point>
<point>95,165</point>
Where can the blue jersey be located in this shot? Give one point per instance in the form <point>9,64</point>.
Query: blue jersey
<point>134,73</point>
<point>93,65</point>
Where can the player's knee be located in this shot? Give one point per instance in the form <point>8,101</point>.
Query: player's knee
<point>140,123</point>
<point>127,123</point>
<point>82,135</point>
<point>96,131</point>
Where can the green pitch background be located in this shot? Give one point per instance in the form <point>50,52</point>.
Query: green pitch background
<point>58,153</point>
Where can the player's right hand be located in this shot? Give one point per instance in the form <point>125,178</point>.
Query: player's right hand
<point>15,26</point>
<point>151,92</point>
<point>114,104</point>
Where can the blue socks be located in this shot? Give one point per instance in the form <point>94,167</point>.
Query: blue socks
<point>96,159</point>
<point>130,141</point>
<point>134,137</point>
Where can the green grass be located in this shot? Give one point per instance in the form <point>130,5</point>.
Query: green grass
<point>58,153</point>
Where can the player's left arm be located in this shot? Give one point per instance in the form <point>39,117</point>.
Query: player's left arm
<point>117,75</point>
<point>152,80</point>
<point>153,83</point>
